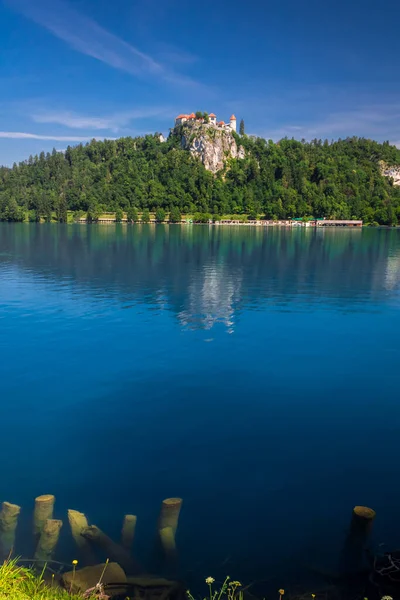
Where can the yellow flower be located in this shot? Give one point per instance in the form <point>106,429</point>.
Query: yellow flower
<point>312,595</point>
<point>281,591</point>
<point>210,580</point>
<point>235,583</point>
<point>75,562</point>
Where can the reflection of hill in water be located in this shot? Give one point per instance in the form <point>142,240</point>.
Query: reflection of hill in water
<point>204,274</point>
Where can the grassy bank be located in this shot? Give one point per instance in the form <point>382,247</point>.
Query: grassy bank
<point>74,217</point>
<point>21,583</point>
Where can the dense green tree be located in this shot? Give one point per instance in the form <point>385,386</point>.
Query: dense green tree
<point>241,127</point>
<point>175,215</point>
<point>62,209</point>
<point>160,215</point>
<point>93,213</point>
<point>146,216</point>
<point>132,214</point>
<point>119,214</point>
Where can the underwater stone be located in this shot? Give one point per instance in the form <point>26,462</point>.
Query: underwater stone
<point>88,577</point>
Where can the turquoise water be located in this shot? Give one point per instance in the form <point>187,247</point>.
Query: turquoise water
<point>252,372</point>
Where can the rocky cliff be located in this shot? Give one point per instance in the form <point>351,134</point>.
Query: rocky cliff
<point>213,145</point>
<point>390,171</point>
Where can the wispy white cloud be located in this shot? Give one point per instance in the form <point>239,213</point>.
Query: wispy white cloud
<point>173,55</point>
<point>86,36</point>
<point>22,135</point>
<point>114,121</point>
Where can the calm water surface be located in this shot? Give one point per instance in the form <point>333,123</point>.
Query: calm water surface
<point>252,372</point>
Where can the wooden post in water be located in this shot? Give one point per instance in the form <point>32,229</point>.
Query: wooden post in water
<point>78,522</point>
<point>113,551</point>
<point>128,531</point>
<point>44,507</point>
<point>356,540</point>
<point>169,514</point>
<point>8,524</point>
<point>167,538</point>
<point>167,526</point>
<point>48,539</point>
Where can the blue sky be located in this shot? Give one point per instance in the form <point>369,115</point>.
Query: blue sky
<point>71,70</point>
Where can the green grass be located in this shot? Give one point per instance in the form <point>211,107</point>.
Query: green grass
<point>21,583</point>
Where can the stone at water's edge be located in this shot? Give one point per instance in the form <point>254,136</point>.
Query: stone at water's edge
<point>88,577</point>
<point>212,145</point>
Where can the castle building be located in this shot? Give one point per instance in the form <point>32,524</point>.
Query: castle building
<point>182,119</point>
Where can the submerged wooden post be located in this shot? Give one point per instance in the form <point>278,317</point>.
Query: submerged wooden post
<point>8,524</point>
<point>128,531</point>
<point>78,522</point>
<point>44,507</point>
<point>113,551</point>
<point>48,539</point>
<point>168,544</point>
<point>169,514</point>
<point>359,530</point>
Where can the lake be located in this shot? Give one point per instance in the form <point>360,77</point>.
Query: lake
<point>252,372</point>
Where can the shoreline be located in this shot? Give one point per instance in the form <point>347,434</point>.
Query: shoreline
<point>316,223</point>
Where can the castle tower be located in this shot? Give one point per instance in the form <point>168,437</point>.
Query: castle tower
<point>233,122</point>
<point>213,118</point>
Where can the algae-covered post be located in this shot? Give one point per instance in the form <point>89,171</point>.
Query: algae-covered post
<point>48,539</point>
<point>78,522</point>
<point>44,507</point>
<point>167,538</point>
<point>169,514</point>
<point>357,536</point>
<point>8,524</point>
<point>114,551</point>
<point>128,531</point>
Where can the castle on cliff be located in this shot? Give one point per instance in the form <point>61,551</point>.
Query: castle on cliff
<point>182,119</point>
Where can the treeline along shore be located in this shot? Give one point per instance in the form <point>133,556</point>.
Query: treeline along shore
<point>342,180</point>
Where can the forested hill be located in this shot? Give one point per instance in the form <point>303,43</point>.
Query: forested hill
<point>277,180</point>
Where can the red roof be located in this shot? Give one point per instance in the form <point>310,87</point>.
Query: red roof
<point>192,116</point>
<point>221,123</point>
<point>212,115</point>
<point>233,118</point>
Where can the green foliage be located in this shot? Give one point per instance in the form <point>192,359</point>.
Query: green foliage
<point>146,216</point>
<point>288,179</point>
<point>175,215</point>
<point>93,213</point>
<point>77,216</point>
<point>132,214</point>
<point>202,217</point>
<point>160,215</point>
<point>241,127</point>
<point>19,583</point>
<point>119,214</point>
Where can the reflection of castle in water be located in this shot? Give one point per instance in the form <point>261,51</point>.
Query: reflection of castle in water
<point>201,274</point>
<point>392,272</point>
<point>212,297</point>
